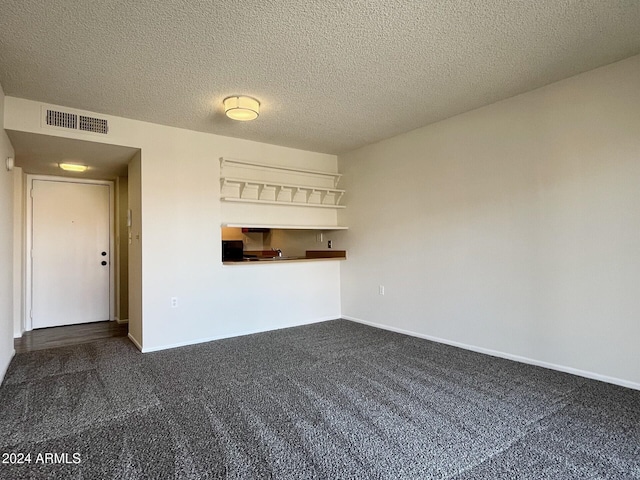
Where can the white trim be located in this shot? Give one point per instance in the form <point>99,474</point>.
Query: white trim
<point>281,202</point>
<point>231,335</point>
<point>508,356</point>
<point>6,368</point>
<point>27,325</point>
<point>116,253</point>
<point>135,342</point>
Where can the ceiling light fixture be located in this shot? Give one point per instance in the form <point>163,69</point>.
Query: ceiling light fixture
<point>73,167</point>
<point>241,108</point>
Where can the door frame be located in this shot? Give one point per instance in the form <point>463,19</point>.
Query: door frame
<point>28,314</point>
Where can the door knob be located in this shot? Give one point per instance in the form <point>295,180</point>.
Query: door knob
<point>103,262</point>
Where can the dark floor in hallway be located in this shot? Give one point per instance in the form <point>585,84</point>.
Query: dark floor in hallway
<point>68,335</point>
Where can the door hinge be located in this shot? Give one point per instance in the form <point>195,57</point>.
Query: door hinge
<point>31,193</point>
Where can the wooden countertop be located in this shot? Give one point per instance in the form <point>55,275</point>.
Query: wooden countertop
<point>311,256</point>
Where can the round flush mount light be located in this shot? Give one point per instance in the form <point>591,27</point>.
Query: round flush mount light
<point>241,108</point>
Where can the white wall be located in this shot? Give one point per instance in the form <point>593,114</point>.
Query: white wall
<point>6,248</point>
<point>180,238</point>
<point>19,264</point>
<point>181,253</point>
<point>514,228</point>
<point>135,250</point>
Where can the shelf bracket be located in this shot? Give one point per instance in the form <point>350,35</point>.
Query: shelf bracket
<point>305,192</point>
<point>323,194</point>
<point>243,187</point>
<point>291,195</point>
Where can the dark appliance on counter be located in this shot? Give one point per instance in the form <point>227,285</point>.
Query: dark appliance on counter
<point>232,250</point>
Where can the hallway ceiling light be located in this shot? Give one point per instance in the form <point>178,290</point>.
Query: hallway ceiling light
<point>72,167</point>
<point>241,108</point>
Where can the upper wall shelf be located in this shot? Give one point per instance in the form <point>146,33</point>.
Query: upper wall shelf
<point>317,174</point>
<point>244,181</point>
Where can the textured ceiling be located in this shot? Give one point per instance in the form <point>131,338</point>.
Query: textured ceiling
<point>331,75</point>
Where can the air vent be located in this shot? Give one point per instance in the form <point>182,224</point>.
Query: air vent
<point>95,125</point>
<point>62,119</point>
<point>74,121</point>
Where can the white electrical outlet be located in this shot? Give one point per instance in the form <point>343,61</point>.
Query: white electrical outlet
<point>381,289</point>
<point>174,302</point>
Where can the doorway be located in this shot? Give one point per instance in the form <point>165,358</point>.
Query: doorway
<point>70,239</point>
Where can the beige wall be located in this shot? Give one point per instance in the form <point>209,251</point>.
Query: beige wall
<point>297,242</point>
<point>292,242</point>
<point>232,233</point>
<point>6,248</point>
<point>512,229</point>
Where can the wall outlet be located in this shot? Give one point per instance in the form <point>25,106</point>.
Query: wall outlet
<point>174,302</point>
<point>381,289</point>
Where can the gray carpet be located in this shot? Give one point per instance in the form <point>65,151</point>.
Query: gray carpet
<point>329,400</point>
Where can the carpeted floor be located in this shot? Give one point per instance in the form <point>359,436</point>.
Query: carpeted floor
<point>330,400</point>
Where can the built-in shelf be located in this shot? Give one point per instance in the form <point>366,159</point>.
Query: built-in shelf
<point>334,177</point>
<point>253,182</point>
<point>279,202</point>
<point>277,193</point>
<point>286,227</point>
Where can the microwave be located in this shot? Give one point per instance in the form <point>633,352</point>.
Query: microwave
<point>232,250</point>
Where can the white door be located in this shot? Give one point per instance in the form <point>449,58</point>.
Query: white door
<point>70,241</point>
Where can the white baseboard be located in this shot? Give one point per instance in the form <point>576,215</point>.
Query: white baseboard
<point>121,322</point>
<point>135,342</point>
<point>231,335</point>
<point>508,356</point>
